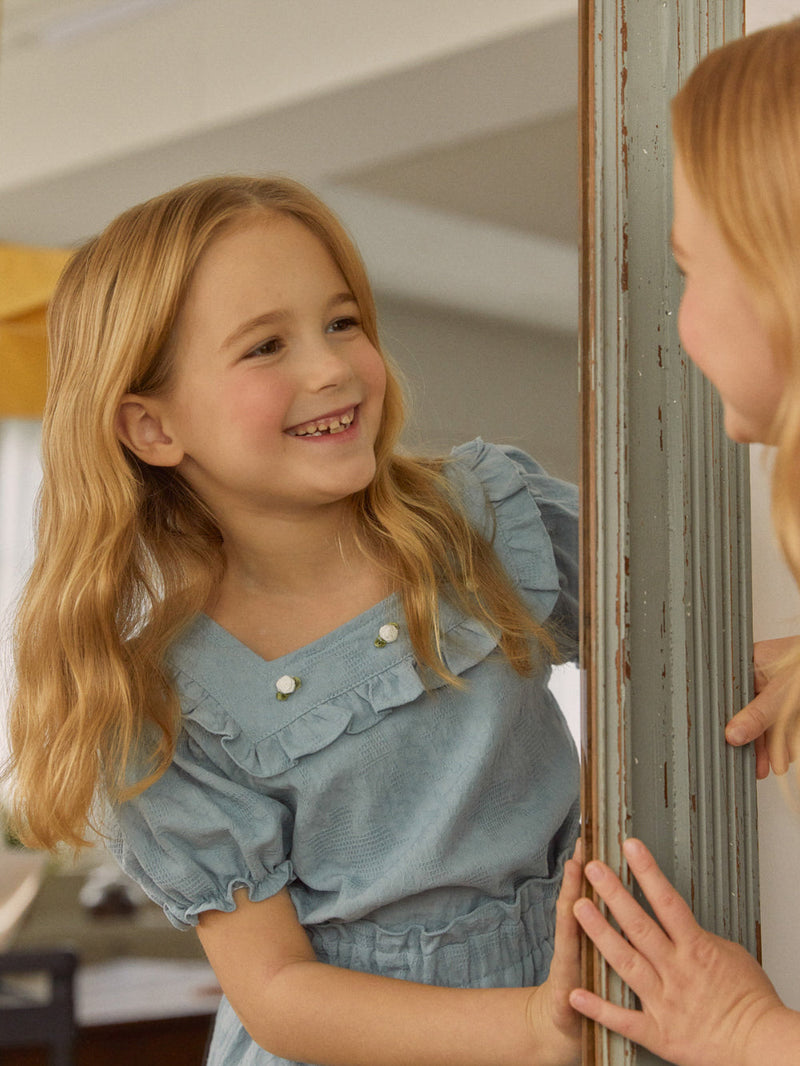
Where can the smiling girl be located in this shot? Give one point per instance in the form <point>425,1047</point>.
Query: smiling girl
<point>299,676</point>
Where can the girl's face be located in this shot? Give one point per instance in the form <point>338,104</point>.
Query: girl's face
<point>718,323</point>
<point>277,393</point>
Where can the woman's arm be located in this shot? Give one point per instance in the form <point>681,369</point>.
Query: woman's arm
<point>299,1008</point>
<point>704,1000</point>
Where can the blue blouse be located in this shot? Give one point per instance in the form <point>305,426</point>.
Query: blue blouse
<point>420,831</point>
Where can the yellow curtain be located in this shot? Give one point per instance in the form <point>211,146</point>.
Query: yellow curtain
<point>27,278</point>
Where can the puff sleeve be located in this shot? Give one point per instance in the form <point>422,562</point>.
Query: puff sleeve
<point>198,833</point>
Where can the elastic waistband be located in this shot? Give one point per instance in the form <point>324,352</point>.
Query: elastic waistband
<point>501,943</point>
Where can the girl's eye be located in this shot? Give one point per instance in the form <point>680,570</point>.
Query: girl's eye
<point>270,347</point>
<point>341,325</point>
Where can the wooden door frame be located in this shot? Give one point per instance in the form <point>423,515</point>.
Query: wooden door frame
<point>666,644</point>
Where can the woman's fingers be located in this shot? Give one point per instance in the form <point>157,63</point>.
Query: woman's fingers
<point>762,758</point>
<point>778,751</point>
<point>645,947</point>
<point>634,922</point>
<point>769,743</point>
<point>755,718</point>
<point>757,721</point>
<point>770,656</point>
<point>668,905</point>
<point>629,1023</point>
<point>632,966</point>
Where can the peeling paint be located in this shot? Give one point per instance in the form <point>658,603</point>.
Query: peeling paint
<point>623,277</point>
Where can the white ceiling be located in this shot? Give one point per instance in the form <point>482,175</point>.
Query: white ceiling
<point>482,134</point>
<point>450,150</point>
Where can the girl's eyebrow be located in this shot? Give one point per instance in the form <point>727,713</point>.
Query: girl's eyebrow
<point>271,318</point>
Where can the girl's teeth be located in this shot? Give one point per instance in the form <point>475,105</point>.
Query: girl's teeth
<point>336,425</point>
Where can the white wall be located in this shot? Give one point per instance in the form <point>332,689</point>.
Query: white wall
<point>776,613</point>
<point>473,376</point>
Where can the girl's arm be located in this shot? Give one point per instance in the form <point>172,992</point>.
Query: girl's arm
<point>705,1001</point>
<point>299,1008</point>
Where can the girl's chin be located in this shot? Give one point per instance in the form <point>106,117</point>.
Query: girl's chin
<point>744,433</point>
<point>737,434</point>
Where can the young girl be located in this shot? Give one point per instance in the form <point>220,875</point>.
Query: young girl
<point>736,237</point>
<point>306,673</point>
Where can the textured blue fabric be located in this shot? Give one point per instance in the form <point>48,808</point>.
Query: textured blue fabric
<point>421,832</point>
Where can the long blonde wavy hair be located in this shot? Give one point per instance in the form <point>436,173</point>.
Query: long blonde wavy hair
<point>127,554</point>
<point>736,130</point>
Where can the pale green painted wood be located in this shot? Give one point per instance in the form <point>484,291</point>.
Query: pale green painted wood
<point>668,644</point>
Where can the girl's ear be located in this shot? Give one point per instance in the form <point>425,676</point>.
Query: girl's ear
<point>140,428</point>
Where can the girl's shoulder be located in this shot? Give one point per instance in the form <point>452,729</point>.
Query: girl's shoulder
<point>493,463</point>
<point>531,519</point>
<point>504,489</point>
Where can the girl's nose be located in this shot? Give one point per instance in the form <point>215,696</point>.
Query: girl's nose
<point>325,366</point>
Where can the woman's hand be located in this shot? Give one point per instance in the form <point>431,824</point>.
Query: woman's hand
<point>555,1024</point>
<point>704,1001</point>
<point>755,722</point>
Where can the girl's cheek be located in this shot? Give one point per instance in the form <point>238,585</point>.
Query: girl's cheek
<point>380,379</point>
<point>373,370</point>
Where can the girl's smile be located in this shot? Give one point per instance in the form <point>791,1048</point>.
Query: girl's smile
<point>327,426</point>
<point>277,393</point>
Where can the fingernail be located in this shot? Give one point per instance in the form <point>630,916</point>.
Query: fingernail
<point>595,872</point>
<point>633,848</point>
<point>735,735</point>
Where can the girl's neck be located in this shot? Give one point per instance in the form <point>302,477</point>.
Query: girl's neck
<point>291,584</point>
<point>289,554</point>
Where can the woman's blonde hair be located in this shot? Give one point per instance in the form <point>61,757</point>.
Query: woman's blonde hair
<point>127,554</point>
<point>736,130</point>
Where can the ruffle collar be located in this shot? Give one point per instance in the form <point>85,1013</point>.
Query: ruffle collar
<point>346,686</point>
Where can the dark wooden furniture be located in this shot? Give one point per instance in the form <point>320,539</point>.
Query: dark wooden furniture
<point>162,1042</point>
<point>38,1017</point>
